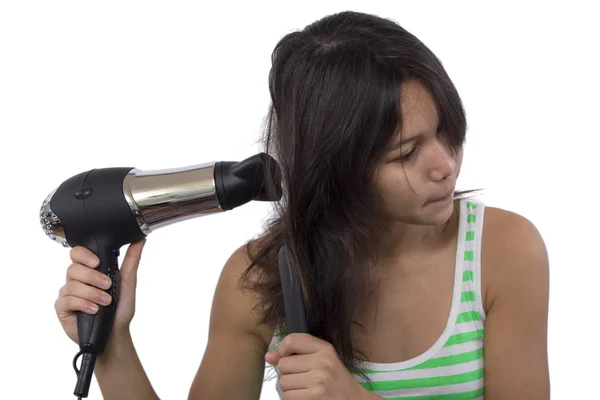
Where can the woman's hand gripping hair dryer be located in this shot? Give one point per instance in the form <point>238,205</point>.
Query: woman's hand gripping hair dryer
<point>104,209</point>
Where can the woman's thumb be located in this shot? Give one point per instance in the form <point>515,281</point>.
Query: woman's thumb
<point>131,261</point>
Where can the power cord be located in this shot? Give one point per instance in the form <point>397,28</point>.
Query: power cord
<point>84,375</point>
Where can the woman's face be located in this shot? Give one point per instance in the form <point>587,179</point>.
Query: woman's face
<point>430,168</point>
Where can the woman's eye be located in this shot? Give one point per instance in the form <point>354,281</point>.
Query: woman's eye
<point>406,156</point>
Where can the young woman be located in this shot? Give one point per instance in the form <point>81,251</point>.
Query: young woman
<point>412,289</point>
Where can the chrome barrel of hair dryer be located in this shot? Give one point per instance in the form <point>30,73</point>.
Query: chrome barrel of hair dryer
<point>104,209</point>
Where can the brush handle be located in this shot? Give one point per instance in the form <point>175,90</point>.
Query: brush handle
<point>292,295</point>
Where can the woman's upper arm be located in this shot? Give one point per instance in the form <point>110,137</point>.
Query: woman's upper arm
<point>516,353</point>
<point>233,362</point>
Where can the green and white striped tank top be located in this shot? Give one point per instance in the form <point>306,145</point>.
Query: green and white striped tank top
<point>453,368</point>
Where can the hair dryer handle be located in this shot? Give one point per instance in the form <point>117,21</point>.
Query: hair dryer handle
<point>93,330</point>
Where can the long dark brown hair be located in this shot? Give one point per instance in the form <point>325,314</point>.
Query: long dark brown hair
<point>335,89</point>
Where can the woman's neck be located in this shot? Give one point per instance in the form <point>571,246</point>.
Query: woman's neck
<point>406,240</point>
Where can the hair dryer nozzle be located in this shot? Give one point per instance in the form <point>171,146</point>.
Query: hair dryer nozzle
<point>255,178</point>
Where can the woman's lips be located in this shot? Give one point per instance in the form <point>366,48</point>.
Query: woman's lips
<point>441,200</point>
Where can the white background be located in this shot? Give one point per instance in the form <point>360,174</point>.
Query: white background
<point>166,84</point>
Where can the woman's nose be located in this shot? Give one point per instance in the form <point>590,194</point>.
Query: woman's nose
<point>443,163</point>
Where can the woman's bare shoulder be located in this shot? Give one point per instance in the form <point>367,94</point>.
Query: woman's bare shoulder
<point>512,246</point>
<point>235,275</point>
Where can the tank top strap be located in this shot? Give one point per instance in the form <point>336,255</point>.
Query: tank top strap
<point>472,213</point>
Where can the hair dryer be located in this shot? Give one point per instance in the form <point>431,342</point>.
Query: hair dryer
<point>104,209</point>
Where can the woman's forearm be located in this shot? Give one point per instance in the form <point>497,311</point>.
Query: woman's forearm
<point>120,373</point>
